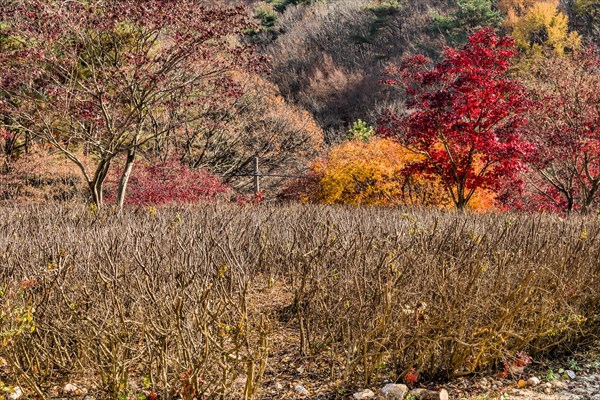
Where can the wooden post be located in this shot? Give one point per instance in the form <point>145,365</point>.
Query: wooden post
<point>256,176</point>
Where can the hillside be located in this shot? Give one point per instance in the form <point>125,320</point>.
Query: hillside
<point>328,56</point>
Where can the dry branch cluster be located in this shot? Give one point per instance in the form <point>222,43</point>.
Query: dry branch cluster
<point>166,300</point>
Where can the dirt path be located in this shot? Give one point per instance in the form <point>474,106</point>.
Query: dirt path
<point>581,388</point>
<point>584,386</point>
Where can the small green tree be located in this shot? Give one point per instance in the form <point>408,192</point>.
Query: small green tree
<point>382,13</point>
<point>267,18</point>
<point>361,131</point>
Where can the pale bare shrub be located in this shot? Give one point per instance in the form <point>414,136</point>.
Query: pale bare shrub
<point>167,299</point>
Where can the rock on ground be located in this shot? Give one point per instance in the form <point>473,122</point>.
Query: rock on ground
<point>365,394</point>
<point>394,391</point>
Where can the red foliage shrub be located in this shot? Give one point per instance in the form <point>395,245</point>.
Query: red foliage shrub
<point>167,182</point>
<point>411,377</point>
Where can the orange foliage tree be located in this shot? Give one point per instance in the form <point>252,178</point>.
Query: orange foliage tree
<point>372,173</point>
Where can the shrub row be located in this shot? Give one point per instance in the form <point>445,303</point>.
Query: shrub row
<point>165,300</point>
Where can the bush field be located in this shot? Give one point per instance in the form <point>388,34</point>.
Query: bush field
<point>222,300</point>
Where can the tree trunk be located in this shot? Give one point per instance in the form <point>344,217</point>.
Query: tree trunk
<point>570,205</point>
<point>588,201</point>
<point>125,178</point>
<point>461,200</point>
<point>93,193</point>
<point>461,203</point>
<point>95,185</point>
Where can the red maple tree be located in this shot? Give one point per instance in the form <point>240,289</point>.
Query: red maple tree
<point>565,127</point>
<point>464,115</point>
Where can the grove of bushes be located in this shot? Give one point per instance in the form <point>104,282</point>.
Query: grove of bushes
<point>222,301</point>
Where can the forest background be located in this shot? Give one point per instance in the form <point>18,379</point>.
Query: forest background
<point>176,108</point>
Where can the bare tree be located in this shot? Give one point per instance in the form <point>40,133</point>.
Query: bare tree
<point>103,78</point>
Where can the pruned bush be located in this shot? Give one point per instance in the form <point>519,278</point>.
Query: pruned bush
<point>213,300</point>
<point>445,295</point>
<point>135,311</point>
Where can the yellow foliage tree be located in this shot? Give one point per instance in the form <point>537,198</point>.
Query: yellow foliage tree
<point>539,25</point>
<point>515,9</point>
<point>371,173</point>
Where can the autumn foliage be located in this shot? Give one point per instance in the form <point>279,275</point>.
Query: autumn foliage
<point>373,173</point>
<point>565,128</point>
<point>540,25</point>
<point>109,78</point>
<point>113,86</point>
<point>169,182</point>
<point>464,117</point>
<point>172,120</point>
<point>258,123</point>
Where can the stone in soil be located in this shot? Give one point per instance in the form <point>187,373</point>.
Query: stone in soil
<point>365,394</point>
<point>394,391</point>
<point>560,384</point>
<point>301,390</point>
<point>73,390</point>
<point>484,383</point>
<point>15,393</point>
<point>424,394</point>
<point>533,381</point>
